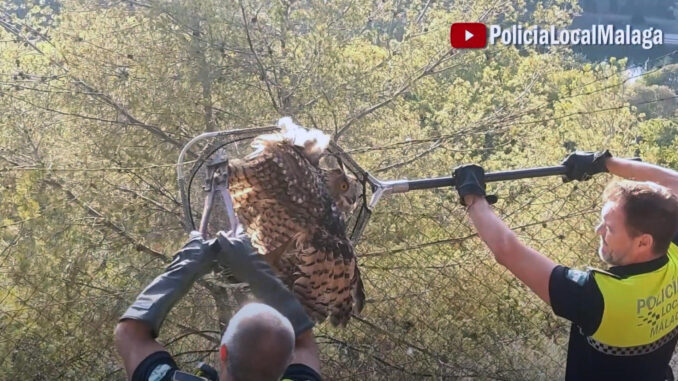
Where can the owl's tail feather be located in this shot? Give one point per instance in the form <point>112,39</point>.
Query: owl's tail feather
<point>358,292</point>
<point>306,292</point>
<point>340,283</point>
<point>350,298</point>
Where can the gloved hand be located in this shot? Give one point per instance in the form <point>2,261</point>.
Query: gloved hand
<point>470,179</point>
<point>245,263</point>
<point>582,165</point>
<point>194,260</point>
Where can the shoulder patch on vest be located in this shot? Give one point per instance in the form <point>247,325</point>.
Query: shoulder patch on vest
<point>159,372</point>
<point>577,276</point>
<point>599,271</point>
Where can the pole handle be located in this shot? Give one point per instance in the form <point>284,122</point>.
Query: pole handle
<point>516,174</point>
<point>440,182</point>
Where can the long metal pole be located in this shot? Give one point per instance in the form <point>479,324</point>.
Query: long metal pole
<point>440,182</point>
<point>386,188</point>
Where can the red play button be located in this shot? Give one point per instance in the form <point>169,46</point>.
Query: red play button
<point>468,35</point>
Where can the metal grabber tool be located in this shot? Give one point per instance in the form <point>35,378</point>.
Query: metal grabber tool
<point>212,161</point>
<point>216,181</point>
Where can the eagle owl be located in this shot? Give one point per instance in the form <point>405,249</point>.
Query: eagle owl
<point>293,210</point>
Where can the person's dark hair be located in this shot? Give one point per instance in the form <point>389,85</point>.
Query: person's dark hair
<point>649,208</point>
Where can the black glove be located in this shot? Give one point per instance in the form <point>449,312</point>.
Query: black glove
<point>193,261</point>
<point>243,262</point>
<point>582,165</point>
<point>470,179</point>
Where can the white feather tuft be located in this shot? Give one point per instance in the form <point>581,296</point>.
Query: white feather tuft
<point>313,141</point>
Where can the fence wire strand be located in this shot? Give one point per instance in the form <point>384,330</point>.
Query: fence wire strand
<point>444,309</point>
<point>438,304</point>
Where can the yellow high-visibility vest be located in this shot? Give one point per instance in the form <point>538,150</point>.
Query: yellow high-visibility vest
<point>640,311</point>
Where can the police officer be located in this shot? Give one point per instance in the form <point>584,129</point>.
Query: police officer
<point>624,319</point>
<point>263,341</point>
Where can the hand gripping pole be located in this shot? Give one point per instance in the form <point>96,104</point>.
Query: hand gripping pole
<point>385,188</point>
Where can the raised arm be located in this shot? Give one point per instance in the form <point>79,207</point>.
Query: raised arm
<point>139,326</point>
<point>639,171</point>
<point>250,267</point>
<point>582,165</point>
<point>527,264</point>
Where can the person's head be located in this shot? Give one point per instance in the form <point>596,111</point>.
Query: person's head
<point>638,221</point>
<point>257,345</point>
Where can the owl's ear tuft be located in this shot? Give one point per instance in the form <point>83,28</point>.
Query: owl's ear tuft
<point>328,162</point>
<point>314,142</point>
<point>341,164</point>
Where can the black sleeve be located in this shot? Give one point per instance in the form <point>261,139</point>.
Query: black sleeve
<point>576,297</point>
<point>158,366</point>
<point>675,239</point>
<point>300,372</point>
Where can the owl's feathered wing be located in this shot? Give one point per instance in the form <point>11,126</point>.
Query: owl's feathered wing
<point>282,198</point>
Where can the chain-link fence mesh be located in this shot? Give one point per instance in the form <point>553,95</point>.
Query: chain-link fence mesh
<point>442,308</point>
<point>98,97</point>
<point>438,304</point>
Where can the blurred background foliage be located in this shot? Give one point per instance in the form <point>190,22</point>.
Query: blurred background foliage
<point>98,97</point>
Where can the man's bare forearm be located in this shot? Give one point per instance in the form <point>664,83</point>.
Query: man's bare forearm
<point>639,171</point>
<point>527,264</point>
<point>491,229</point>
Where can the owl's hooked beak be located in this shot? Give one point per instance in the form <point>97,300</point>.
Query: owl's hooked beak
<point>345,205</point>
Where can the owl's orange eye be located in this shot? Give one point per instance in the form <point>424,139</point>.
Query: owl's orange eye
<point>344,186</point>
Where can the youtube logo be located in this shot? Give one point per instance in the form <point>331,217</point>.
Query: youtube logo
<point>468,35</point>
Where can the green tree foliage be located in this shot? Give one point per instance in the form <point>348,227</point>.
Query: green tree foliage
<point>98,97</point>
<point>655,101</point>
<point>665,76</point>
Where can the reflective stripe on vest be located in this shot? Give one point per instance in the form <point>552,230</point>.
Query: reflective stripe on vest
<point>640,312</point>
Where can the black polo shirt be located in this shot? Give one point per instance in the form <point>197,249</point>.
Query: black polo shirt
<point>576,296</point>
<point>160,366</point>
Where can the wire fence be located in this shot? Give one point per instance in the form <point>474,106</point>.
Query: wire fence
<point>438,304</point>
<point>442,308</point>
